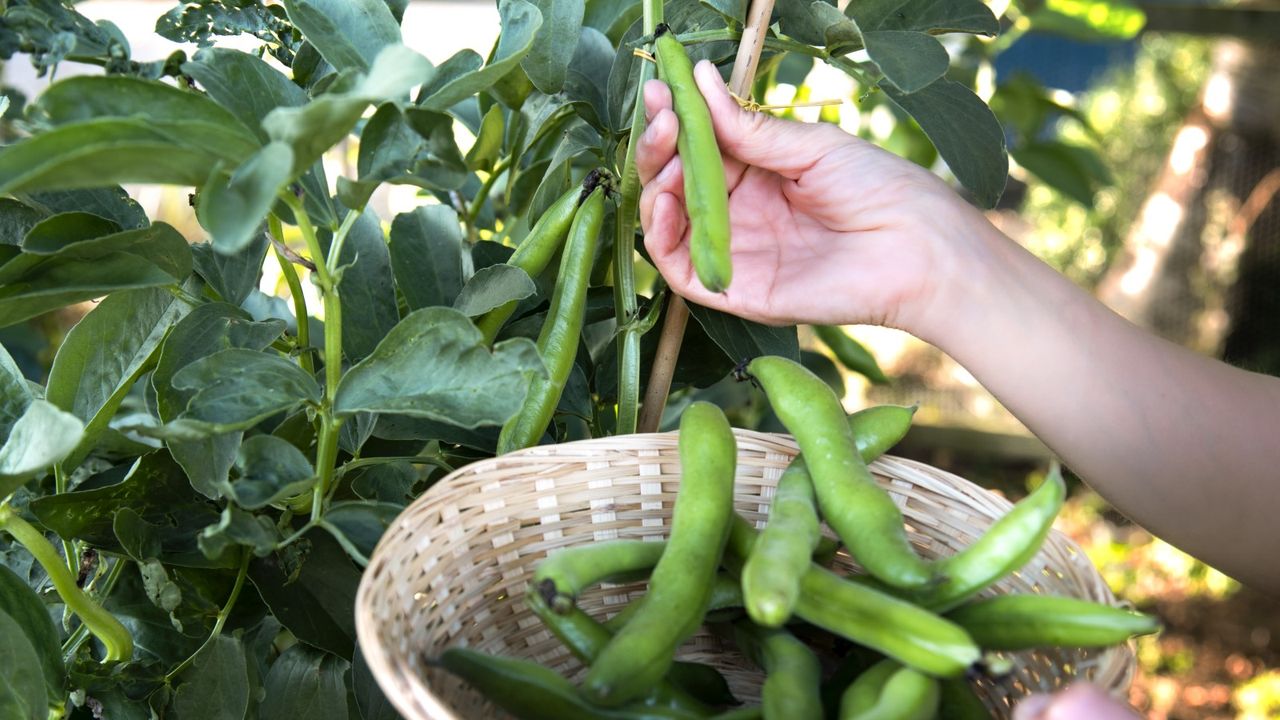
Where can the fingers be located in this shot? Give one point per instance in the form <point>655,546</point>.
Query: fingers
<point>664,239</point>
<point>657,96</point>
<point>670,181</point>
<point>657,145</point>
<point>783,146</point>
<point>1081,700</point>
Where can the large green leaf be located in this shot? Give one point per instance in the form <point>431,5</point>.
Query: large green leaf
<point>306,683</point>
<point>244,84</point>
<point>270,469</point>
<point>417,148</point>
<point>234,209</point>
<point>99,153</point>
<point>427,255</point>
<point>310,587</point>
<point>57,233</point>
<point>434,364</point>
<point>493,287</point>
<point>931,16</point>
<point>366,287</point>
<point>800,21</point>
<point>238,388</point>
<point>15,393</point>
<point>910,60</point>
<point>233,276</point>
<point>20,603</point>
<point>105,353</point>
<point>371,701</point>
<point>64,282</point>
<point>587,80</point>
<point>42,437</point>
<point>67,236</point>
<point>315,127</point>
<point>155,488</point>
<point>357,526</point>
<point>520,24</point>
<point>22,684</point>
<point>239,528</point>
<point>186,118</point>
<point>348,33</point>
<point>16,220</point>
<point>966,133</point>
<point>112,203</point>
<point>742,339</point>
<point>216,686</point>
<point>554,44</point>
<point>488,145</point>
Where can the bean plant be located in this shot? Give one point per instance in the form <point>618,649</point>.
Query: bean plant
<point>189,494</point>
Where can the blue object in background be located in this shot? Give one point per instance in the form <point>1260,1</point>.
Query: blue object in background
<point>1061,63</point>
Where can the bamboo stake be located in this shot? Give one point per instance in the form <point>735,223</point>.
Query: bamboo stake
<point>673,327</point>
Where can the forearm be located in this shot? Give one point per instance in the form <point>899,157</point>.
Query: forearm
<point>1186,446</point>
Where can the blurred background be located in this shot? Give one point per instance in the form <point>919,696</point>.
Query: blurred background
<point>1145,146</point>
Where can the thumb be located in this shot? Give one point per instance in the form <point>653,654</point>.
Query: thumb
<point>786,147</point>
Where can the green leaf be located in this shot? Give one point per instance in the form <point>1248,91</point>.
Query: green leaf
<point>112,203</point>
<point>200,21</point>
<point>216,685</point>
<point>28,611</point>
<point>348,33</point>
<point>370,700</point>
<point>966,133</point>
<point>65,282</point>
<point>237,527</point>
<point>520,24</point>
<point>910,60</point>
<point>587,81</point>
<point>233,276</point>
<point>434,364</point>
<point>366,287</point>
<point>207,460</point>
<point>56,233</point>
<point>160,244</point>
<point>554,44</point>
<point>98,153</point>
<point>139,538</point>
<point>42,437</point>
<point>1073,170</point>
<point>742,339</point>
<point>106,352</point>
<point>493,287</point>
<point>186,118</point>
<point>306,683</point>
<point>417,149</point>
<point>22,685</point>
<point>16,220</point>
<point>932,16</point>
<point>245,85</point>
<point>357,526</point>
<point>155,488</point>
<point>488,145</point>
<point>15,393</point>
<point>155,636</point>
<point>162,591</point>
<point>270,470</point>
<point>238,388</point>
<point>234,209</point>
<point>427,255</point>
<point>800,21</point>
<point>612,17</point>
<point>310,587</point>
<point>315,127</point>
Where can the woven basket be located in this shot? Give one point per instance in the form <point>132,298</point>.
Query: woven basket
<point>452,569</point>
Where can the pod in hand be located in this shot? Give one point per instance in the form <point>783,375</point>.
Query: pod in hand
<point>859,510</point>
<point>1022,622</point>
<point>706,193</point>
<point>680,589</point>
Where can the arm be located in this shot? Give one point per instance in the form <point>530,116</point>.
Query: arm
<point>829,229</point>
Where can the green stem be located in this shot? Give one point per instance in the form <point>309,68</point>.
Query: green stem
<point>340,239</point>
<point>219,622</point>
<point>102,624</point>
<point>69,549</point>
<point>295,292</point>
<point>327,443</point>
<point>624,279</point>
<point>411,459</point>
<point>477,202</point>
<point>73,643</point>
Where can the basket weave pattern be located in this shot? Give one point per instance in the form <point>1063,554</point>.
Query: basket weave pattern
<point>452,569</point>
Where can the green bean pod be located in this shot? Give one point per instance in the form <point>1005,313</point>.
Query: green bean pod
<point>793,676</point>
<point>1022,622</point>
<point>726,592</point>
<point>680,589</point>
<point>850,353</point>
<point>585,638</point>
<point>565,573</point>
<point>859,510</point>
<point>531,691</point>
<point>558,341</point>
<point>1006,546</point>
<point>771,577</point>
<point>891,626</point>
<point>702,682</point>
<point>880,427</point>
<point>706,193</point>
<point>891,692</point>
<point>755,712</point>
<point>538,248</point>
<point>959,702</point>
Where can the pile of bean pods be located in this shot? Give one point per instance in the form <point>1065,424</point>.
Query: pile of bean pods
<point>910,629</point>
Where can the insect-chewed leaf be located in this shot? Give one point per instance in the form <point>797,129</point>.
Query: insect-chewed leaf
<point>434,364</point>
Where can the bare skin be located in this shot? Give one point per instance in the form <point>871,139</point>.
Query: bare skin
<point>830,229</point>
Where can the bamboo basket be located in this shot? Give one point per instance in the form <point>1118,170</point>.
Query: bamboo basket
<point>452,569</point>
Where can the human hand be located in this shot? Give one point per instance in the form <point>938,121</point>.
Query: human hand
<point>1081,701</point>
<point>826,228</point>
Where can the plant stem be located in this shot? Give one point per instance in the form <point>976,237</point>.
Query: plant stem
<point>73,643</point>
<point>664,364</point>
<point>68,547</point>
<point>221,620</point>
<point>381,460</point>
<point>102,624</point>
<point>340,239</point>
<point>327,442</point>
<point>299,299</point>
<point>624,278</point>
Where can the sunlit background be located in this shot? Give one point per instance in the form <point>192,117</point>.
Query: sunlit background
<point>1146,161</point>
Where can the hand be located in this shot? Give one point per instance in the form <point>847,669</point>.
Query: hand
<point>1081,701</point>
<point>826,228</point>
